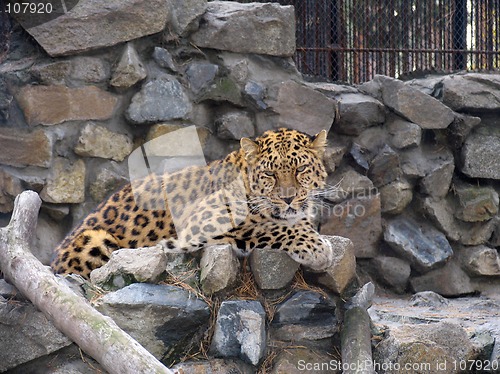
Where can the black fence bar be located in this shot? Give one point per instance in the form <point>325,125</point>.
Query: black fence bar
<point>352,40</point>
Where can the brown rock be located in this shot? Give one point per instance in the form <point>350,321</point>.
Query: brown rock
<point>67,183</point>
<point>21,148</point>
<point>165,128</point>
<point>51,105</point>
<point>359,220</point>
<point>98,141</point>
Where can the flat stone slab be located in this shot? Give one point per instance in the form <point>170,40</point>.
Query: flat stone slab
<point>423,245</point>
<point>90,25</point>
<point>408,102</point>
<point>267,28</point>
<point>472,92</point>
<point>51,105</point>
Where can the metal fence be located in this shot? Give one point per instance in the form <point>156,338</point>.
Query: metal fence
<point>352,40</point>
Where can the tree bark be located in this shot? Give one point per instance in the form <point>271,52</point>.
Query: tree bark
<point>95,334</point>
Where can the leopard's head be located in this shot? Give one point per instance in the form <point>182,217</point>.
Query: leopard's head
<point>285,167</point>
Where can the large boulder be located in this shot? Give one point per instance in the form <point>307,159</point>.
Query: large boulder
<point>26,334</point>
<point>267,28</point>
<point>472,92</point>
<point>408,103</point>
<point>90,25</point>
<point>161,318</point>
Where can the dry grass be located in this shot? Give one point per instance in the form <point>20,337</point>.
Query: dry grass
<point>299,283</point>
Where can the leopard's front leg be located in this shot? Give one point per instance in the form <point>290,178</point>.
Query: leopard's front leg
<point>300,241</point>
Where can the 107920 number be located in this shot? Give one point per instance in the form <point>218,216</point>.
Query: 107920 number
<point>32,8</point>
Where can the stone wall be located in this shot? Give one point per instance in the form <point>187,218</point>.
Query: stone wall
<point>416,163</point>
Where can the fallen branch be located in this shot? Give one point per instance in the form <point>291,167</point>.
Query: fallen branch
<point>95,334</point>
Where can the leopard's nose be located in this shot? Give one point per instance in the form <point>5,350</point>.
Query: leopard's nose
<point>287,200</point>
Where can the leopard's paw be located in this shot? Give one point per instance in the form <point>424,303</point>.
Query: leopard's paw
<point>322,257</point>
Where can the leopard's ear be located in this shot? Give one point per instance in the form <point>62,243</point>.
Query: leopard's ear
<point>249,147</point>
<point>319,141</point>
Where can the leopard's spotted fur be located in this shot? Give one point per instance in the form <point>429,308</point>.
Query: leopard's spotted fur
<point>258,197</point>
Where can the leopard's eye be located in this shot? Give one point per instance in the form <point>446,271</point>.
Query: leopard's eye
<point>300,169</point>
<point>269,173</point>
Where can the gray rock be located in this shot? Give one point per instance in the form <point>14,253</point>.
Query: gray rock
<point>98,141</point>
<point>395,196</point>
<point>129,70</point>
<point>234,124</point>
<point>348,183</point>
<point>358,112</point>
<point>106,180</point>
<point>305,307</point>
<point>437,181</point>
<point>255,93</point>
<point>272,269</point>
<point>476,204</point>
<point>302,108</point>
<point>408,103</point>
<point>385,167</point>
<point>213,365</point>
<point>219,268</point>
<point>162,99</point>
<point>185,15</point>
<point>127,266</point>
<point>450,280</point>
<point>368,144</point>
<point>472,92</point>
<point>430,85</point>
<point>164,59</point>
<point>240,331</point>
<point>363,298</point>
<point>66,183</point>
<point>89,26</point>
<point>404,134</point>
<point>424,246</point>
<point>305,334</point>
<point>200,75</point>
<point>392,271</point>
<point>460,129</point>
<point>68,360</point>
<point>480,260</point>
<point>428,299</point>
<point>442,212</point>
<point>358,219</point>
<point>161,318</point>
<point>343,270</point>
<point>26,334</point>
<point>48,236</point>
<point>481,154</point>
<point>427,161</point>
<point>271,23</point>
<point>436,345</point>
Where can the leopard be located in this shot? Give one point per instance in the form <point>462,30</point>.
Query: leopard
<point>263,195</point>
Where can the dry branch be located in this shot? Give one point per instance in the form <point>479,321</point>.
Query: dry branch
<point>95,334</point>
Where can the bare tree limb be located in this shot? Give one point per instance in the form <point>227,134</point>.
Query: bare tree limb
<point>95,334</point>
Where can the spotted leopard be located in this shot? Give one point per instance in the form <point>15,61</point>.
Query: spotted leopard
<point>260,196</point>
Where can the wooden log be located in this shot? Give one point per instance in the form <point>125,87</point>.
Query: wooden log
<point>95,334</point>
